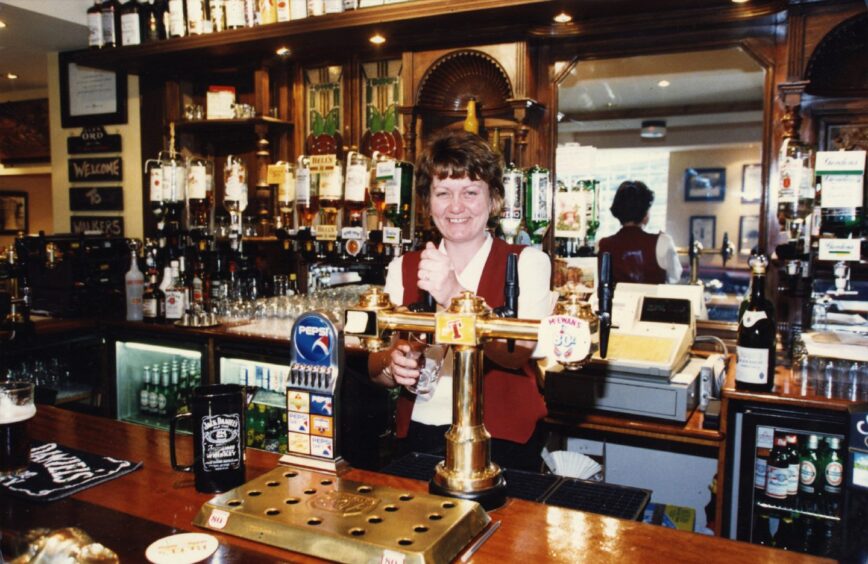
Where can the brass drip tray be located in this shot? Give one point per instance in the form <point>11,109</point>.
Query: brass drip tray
<point>342,520</point>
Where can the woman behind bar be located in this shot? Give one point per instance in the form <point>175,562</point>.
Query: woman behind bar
<point>639,256</point>
<point>459,179</point>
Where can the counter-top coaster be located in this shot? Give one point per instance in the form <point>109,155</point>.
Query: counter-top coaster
<point>184,548</point>
<point>56,471</point>
<point>344,521</point>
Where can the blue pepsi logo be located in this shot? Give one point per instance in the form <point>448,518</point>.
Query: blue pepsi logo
<point>313,338</point>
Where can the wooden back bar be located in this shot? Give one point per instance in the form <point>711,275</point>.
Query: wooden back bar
<point>530,532</point>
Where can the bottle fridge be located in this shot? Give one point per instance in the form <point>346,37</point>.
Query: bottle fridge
<point>791,480</point>
<point>155,376</point>
<point>264,371</point>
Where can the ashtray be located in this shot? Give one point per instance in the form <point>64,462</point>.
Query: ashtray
<point>198,320</point>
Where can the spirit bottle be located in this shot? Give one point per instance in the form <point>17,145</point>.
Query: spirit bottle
<point>197,17</point>
<point>175,296</point>
<point>153,301</point>
<point>235,191</point>
<point>513,202</point>
<point>132,22</point>
<point>538,202</point>
<point>234,14</point>
<point>356,187</point>
<point>134,282</point>
<point>796,184</point>
<point>200,193</point>
<point>94,25</point>
<point>842,193</point>
<point>177,19</point>
<point>286,199</point>
<point>330,194</point>
<point>399,197</point>
<point>217,13</point>
<point>157,14</point>
<point>471,122</point>
<point>110,23</point>
<point>306,193</point>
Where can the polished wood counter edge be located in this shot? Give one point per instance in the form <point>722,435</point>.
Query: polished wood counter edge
<point>690,432</point>
<point>530,532</point>
<point>786,392</point>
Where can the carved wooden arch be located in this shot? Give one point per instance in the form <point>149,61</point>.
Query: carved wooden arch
<point>457,77</point>
<point>837,66</point>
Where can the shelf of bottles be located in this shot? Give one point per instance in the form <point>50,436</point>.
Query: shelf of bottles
<point>114,23</point>
<point>266,410</point>
<point>797,500</point>
<point>154,382</point>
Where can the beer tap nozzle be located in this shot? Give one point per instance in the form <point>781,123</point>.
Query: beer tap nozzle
<point>510,295</point>
<point>604,297</point>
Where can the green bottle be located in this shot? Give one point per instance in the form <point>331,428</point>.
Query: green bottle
<point>538,210</point>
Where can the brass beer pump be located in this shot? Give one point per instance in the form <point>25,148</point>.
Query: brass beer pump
<point>468,472</point>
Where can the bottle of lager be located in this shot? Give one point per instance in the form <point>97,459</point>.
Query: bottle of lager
<point>808,474</point>
<point>778,472</point>
<point>144,393</point>
<point>833,470</point>
<point>793,481</point>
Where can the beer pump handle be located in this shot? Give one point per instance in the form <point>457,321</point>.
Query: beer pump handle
<point>510,294</point>
<point>426,303</point>
<point>604,297</point>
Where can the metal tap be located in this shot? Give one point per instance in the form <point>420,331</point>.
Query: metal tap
<point>468,472</point>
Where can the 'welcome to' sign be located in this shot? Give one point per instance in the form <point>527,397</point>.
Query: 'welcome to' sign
<point>95,169</point>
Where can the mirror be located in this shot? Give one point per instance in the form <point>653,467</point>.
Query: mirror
<point>690,126</point>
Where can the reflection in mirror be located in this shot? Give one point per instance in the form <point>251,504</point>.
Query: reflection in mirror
<point>688,125</point>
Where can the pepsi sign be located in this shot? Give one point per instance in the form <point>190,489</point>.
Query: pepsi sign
<point>314,339</point>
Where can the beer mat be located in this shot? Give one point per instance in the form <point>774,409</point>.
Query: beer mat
<point>56,471</point>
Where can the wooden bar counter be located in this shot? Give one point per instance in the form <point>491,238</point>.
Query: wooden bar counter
<point>128,513</point>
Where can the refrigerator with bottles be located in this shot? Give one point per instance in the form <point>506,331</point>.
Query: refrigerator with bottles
<point>264,371</point>
<point>154,377</point>
<point>789,485</point>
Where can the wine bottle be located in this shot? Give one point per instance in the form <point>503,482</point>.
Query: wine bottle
<point>538,202</point>
<point>755,367</point>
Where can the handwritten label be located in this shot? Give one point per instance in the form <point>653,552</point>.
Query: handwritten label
<point>107,225</point>
<point>96,169</point>
<point>96,199</point>
<point>840,249</point>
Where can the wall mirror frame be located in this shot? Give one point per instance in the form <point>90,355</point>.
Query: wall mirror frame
<point>755,42</point>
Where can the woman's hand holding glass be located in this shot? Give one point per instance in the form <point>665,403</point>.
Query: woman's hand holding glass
<point>404,364</point>
<point>437,275</point>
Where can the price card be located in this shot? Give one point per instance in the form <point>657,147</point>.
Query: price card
<point>184,548</point>
<point>275,173</point>
<point>392,235</point>
<point>327,233</point>
<point>840,249</point>
<point>385,170</point>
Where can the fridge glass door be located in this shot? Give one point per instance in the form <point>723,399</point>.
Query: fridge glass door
<point>154,381</point>
<point>790,495</point>
<point>266,413</point>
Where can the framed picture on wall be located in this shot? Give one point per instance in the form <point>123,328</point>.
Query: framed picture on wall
<point>90,96</point>
<point>702,229</point>
<point>704,184</point>
<point>14,213</point>
<point>751,183</point>
<point>748,234</point>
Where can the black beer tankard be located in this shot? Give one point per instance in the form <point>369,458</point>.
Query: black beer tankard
<point>218,437</point>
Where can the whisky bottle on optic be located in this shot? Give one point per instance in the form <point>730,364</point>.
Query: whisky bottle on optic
<point>286,199</point>
<point>200,198</point>
<point>235,191</point>
<point>796,188</point>
<point>399,197</point>
<point>356,187</point>
<point>538,202</point>
<point>306,194</point>
<point>331,192</point>
<point>513,202</point>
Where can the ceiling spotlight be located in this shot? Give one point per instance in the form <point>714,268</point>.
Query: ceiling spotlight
<point>283,52</point>
<point>653,129</point>
<point>11,75</point>
<point>740,1</point>
<point>561,116</point>
<point>2,24</point>
<point>663,83</point>
<point>563,18</point>
<point>377,39</point>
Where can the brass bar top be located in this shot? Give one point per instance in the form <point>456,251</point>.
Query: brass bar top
<point>530,532</point>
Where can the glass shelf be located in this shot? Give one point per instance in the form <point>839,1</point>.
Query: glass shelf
<point>766,505</point>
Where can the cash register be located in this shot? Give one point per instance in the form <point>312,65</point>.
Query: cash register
<point>648,370</point>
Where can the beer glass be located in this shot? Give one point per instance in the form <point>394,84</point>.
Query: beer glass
<point>16,409</point>
<point>430,360</point>
<point>218,413</point>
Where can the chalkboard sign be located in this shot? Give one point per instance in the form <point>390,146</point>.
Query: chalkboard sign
<point>96,169</point>
<point>108,225</point>
<point>93,140</point>
<point>96,199</point>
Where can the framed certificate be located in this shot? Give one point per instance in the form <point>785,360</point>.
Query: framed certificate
<point>91,96</point>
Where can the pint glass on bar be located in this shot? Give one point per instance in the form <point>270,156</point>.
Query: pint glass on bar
<point>16,409</point>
